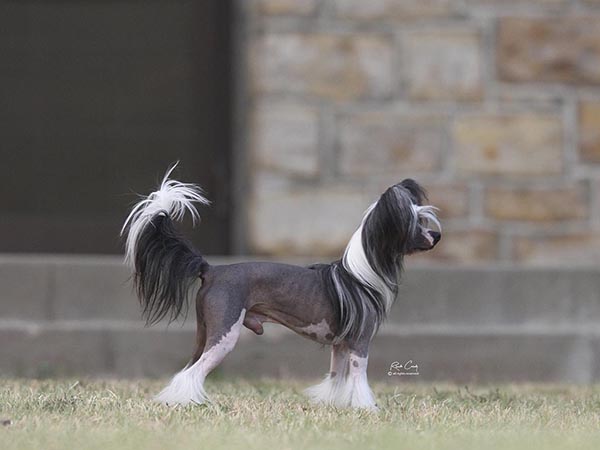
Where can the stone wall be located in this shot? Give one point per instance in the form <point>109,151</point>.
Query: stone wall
<point>493,105</point>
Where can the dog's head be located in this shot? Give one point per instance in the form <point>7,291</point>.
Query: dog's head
<point>427,227</point>
<point>399,223</point>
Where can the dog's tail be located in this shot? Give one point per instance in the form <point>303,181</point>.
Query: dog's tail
<point>165,265</point>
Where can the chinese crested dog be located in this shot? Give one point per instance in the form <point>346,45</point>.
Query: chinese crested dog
<point>341,304</point>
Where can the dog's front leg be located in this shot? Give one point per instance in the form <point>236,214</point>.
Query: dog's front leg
<point>359,394</point>
<point>329,391</point>
<point>346,384</point>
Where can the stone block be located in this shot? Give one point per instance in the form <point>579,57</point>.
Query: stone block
<point>537,204</point>
<point>393,10</point>
<point>315,221</point>
<point>286,139</point>
<point>37,352</point>
<point>443,65</point>
<point>462,246</point>
<point>95,290</point>
<point>378,143</point>
<point>452,199</point>
<point>589,131</point>
<point>483,358</point>
<point>584,296</point>
<point>565,49</point>
<point>594,351</point>
<point>152,352</point>
<point>569,248</point>
<point>501,297</point>
<point>331,66</point>
<point>503,4</point>
<point>519,144</point>
<point>286,7</point>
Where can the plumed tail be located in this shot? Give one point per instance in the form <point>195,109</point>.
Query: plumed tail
<point>165,265</point>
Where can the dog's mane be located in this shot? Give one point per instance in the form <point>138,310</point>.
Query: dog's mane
<point>363,285</point>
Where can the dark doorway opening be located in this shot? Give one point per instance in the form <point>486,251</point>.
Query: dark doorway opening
<point>97,98</point>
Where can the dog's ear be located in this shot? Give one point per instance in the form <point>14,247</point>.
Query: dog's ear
<point>416,191</point>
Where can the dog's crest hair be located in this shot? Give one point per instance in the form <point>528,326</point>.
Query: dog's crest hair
<point>364,284</point>
<point>164,263</point>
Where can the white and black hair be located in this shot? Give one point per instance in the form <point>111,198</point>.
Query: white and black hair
<point>364,283</point>
<point>165,264</point>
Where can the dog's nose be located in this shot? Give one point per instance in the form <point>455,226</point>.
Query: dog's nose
<point>436,236</point>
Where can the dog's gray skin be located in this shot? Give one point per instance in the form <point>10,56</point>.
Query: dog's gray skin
<point>290,295</point>
<point>250,293</point>
<point>270,292</point>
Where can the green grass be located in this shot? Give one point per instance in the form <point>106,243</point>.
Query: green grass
<point>91,414</point>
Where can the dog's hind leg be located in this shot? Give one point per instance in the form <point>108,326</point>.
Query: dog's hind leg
<point>222,333</point>
<point>200,341</point>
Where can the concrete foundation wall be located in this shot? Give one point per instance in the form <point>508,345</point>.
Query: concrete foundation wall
<point>78,316</point>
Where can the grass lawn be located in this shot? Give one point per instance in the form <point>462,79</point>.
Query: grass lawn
<point>269,414</point>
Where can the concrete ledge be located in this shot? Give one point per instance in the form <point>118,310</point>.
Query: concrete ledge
<point>461,356</point>
<point>98,287</point>
<point>78,316</point>
<point>466,296</point>
<point>25,289</point>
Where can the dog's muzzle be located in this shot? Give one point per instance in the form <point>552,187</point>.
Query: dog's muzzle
<point>435,236</point>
